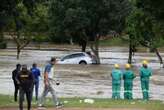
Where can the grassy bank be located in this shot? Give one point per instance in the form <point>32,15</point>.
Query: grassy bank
<point>7,101</point>
<point>113,42</point>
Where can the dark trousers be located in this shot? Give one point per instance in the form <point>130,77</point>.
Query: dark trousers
<point>28,93</point>
<point>36,88</point>
<point>16,91</point>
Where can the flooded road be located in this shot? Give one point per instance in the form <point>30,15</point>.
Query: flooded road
<point>83,80</point>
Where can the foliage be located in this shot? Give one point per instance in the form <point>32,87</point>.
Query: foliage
<point>154,10</point>
<point>3,45</point>
<point>87,20</point>
<point>22,22</point>
<point>143,27</point>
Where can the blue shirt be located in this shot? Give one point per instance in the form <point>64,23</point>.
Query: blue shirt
<point>48,69</point>
<point>36,73</point>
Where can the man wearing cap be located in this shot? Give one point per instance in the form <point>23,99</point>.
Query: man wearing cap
<point>128,77</point>
<point>116,81</point>
<point>145,73</point>
<point>26,80</point>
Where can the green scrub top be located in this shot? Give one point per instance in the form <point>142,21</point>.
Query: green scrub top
<point>145,73</point>
<point>128,76</point>
<point>116,76</point>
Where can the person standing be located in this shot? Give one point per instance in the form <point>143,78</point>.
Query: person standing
<point>145,73</point>
<point>128,77</point>
<point>26,80</point>
<point>36,73</point>
<point>48,79</point>
<point>14,74</point>
<point>116,81</point>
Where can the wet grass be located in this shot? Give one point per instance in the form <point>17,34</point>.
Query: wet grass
<point>113,42</point>
<point>7,101</point>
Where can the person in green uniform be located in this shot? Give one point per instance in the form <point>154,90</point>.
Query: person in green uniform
<point>128,77</point>
<point>145,73</point>
<point>116,81</point>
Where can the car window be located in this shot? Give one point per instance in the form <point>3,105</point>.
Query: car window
<point>73,56</point>
<point>66,57</point>
<point>78,55</point>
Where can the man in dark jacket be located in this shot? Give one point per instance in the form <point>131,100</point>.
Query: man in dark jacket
<point>14,74</point>
<point>26,80</point>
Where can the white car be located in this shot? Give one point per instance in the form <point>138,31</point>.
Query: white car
<point>76,58</point>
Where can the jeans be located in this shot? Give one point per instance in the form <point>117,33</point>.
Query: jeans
<point>36,86</point>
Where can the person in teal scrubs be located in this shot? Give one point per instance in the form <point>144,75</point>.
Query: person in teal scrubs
<point>128,77</point>
<point>116,81</point>
<point>145,73</point>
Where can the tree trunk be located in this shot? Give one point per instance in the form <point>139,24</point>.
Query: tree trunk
<point>95,49</point>
<point>71,41</point>
<point>159,56</point>
<point>130,53</point>
<point>83,46</point>
<point>18,52</point>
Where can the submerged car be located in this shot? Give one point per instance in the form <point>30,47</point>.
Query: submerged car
<point>77,58</point>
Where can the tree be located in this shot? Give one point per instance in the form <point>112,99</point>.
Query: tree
<point>3,21</point>
<point>153,8</point>
<point>143,30</point>
<point>87,20</point>
<point>154,22</point>
<point>19,20</point>
<point>39,24</point>
<point>132,31</point>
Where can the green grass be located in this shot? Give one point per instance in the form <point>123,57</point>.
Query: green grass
<point>113,42</point>
<point>7,101</point>
<point>116,41</point>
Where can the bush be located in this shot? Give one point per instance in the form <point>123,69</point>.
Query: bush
<point>3,45</point>
<point>60,40</point>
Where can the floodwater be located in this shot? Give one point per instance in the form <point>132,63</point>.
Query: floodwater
<point>83,80</point>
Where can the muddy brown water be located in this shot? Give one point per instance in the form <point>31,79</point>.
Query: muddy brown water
<point>92,81</point>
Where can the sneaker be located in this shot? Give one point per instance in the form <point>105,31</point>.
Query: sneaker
<point>59,105</point>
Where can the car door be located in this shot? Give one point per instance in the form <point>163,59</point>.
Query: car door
<point>73,59</point>
<point>77,58</point>
<point>66,59</point>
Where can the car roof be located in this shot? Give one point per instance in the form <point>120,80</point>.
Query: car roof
<point>76,53</point>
